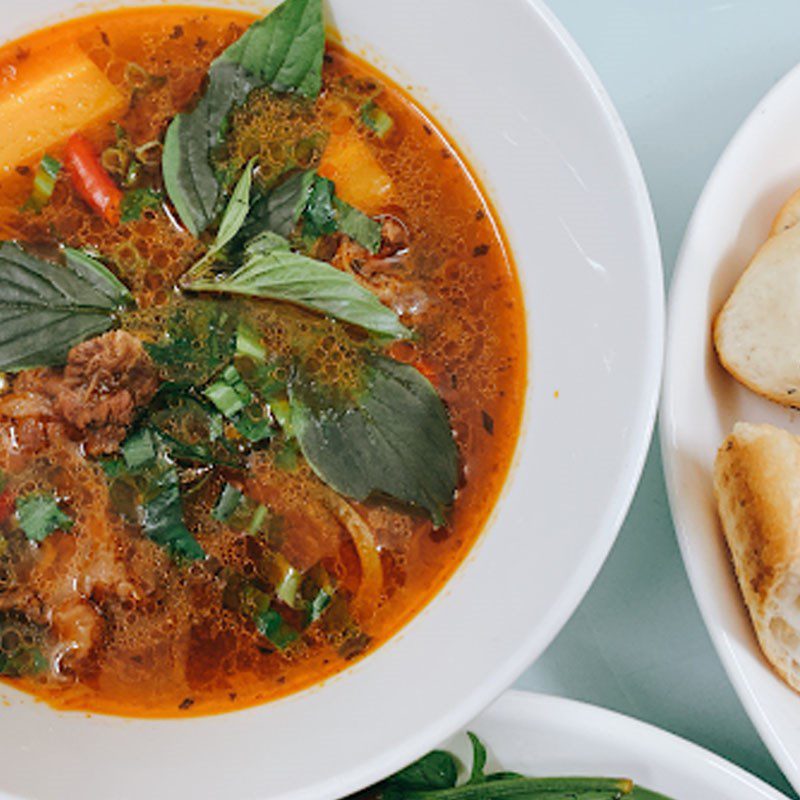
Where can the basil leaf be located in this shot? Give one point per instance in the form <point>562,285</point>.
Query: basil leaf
<point>46,309</point>
<point>319,216</point>
<point>308,196</point>
<point>23,645</point>
<point>162,516</point>
<point>280,210</point>
<point>358,226</point>
<point>393,437</point>
<point>38,515</point>
<point>237,210</point>
<point>435,771</point>
<point>272,271</point>
<point>283,51</point>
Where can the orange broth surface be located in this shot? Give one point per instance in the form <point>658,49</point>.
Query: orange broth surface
<point>172,648</point>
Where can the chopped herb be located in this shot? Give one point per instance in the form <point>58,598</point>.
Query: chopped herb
<point>319,215</point>
<point>44,183</point>
<point>488,422</point>
<point>249,342</point>
<point>38,515</point>
<point>230,393</point>
<point>271,624</point>
<point>376,119</point>
<point>258,519</point>
<point>136,201</point>
<point>228,502</point>
<point>480,250</point>
<point>139,450</point>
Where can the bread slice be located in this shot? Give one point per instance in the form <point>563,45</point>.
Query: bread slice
<point>757,333</point>
<point>757,484</point>
<point>788,216</point>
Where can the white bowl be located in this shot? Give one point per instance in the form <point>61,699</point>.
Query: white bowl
<point>538,735</point>
<point>701,402</point>
<point>515,93</point>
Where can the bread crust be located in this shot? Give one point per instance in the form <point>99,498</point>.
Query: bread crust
<point>757,486</point>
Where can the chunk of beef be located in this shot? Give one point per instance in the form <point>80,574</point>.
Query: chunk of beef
<point>105,382</point>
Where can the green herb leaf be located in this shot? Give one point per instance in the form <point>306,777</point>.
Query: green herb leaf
<point>358,226</point>
<point>319,216</point>
<point>308,196</point>
<point>162,515</point>
<point>376,119</point>
<point>38,515</point>
<point>272,625</point>
<point>437,770</point>
<point>477,774</point>
<point>44,183</point>
<point>392,437</point>
<point>136,201</point>
<point>46,309</point>
<point>283,51</point>
<point>237,209</point>
<point>23,643</point>
<point>280,210</point>
<point>200,338</point>
<point>139,450</point>
<point>228,502</point>
<point>230,393</point>
<point>271,270</point>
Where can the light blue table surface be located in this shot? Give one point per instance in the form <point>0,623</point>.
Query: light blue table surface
<point>683,74</point>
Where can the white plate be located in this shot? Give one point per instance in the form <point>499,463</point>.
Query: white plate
<point>701,402</point>
<point>538,735</point>
<point>512,89</point>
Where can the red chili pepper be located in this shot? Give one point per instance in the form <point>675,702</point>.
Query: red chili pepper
<point>6,505</point>
<point>91,180</point>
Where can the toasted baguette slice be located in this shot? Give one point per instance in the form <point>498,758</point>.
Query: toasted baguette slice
<point>788,216</point>
<point>757,333</point>
<point>757,483</point>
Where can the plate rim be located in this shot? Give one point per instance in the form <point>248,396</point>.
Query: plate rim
<point>544,707</point>
<point>668,424</point>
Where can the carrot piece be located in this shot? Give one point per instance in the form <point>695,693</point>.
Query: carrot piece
<point>360,179</point>
<point>48,97</point>
<point>91,180</point>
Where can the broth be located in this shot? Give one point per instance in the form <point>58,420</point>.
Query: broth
<point>170,643</point>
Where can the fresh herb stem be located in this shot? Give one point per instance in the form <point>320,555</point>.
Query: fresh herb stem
<point>531,788</point>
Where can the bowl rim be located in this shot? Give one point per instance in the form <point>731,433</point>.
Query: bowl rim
<point>668,424</point>
<point>533,643</point>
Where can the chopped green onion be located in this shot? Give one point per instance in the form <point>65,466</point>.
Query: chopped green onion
<point>288,588</point>
<point>139,450</point>
<point>44,182</point>
<point>319,603</point>
<point>248,342</point>
<point>228,502</point>
<point>257,522</point>
<point>112,467</point>
<point>376,119</point>
<point>229,394</point>
<point>38,515</point>
<point>271,624</point>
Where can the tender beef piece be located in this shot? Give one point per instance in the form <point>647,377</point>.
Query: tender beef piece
<point>394,237</point>
<point>106,380</point>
